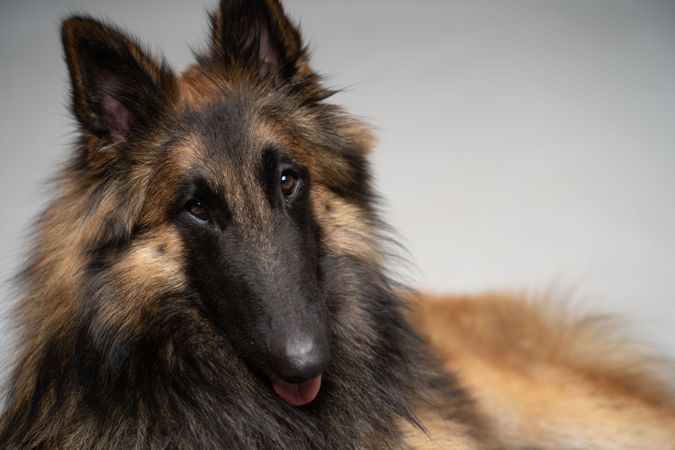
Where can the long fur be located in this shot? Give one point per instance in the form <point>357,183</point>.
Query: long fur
<point>120,348</point>
<point>549,376</point>
<point>140,325</point>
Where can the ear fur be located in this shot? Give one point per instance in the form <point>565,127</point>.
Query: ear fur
<point>258,35</point>
<point>118,90</point>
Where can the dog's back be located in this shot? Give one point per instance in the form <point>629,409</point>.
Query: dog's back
<point>550,378</point>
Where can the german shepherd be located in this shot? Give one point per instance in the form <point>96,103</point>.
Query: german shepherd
<point>211,273</point>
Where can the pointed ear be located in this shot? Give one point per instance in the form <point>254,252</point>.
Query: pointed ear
<point>117,89</point>
<point>257,34</point>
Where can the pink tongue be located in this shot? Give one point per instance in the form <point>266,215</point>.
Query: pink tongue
<point>298,394</point>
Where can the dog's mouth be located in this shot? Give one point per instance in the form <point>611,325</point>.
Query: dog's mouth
<point>298,394</point>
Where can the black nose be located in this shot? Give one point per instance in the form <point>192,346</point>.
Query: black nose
<point>300,359</point>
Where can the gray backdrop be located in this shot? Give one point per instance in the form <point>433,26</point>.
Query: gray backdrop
<point>524,144</point>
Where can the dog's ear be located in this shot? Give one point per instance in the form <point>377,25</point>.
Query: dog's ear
<point>118,90</point>
<point>257,34</point>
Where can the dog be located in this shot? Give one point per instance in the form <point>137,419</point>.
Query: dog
<point>211,273</point>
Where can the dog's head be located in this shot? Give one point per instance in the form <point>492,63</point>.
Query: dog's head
<point>230,186</point>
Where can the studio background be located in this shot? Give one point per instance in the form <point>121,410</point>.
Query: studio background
<point>523,144</point>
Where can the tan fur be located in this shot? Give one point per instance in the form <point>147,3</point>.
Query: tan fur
<point>198,88</point>
<point>153,266</point>
<point>345,227</point>
<point>548,379</point>
<point>439,434</point>
<point>540,377</point>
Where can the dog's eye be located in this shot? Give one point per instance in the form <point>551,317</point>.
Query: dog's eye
<point>289,182</point>
<point>197,210</point>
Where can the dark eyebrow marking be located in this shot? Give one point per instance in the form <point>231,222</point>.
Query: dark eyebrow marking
<point>268,172</point>
<point>196,186</point>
